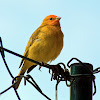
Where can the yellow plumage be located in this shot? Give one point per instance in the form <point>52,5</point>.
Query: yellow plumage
<point>44,45</point>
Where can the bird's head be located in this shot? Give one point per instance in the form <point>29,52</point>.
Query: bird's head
<point>51,20</point>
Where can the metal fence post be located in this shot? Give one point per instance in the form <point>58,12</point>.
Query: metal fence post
<point>81,88</point>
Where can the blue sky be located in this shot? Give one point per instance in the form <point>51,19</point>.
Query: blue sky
<point>80,24</point>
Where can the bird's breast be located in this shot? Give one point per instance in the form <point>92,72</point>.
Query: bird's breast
<point>48,45</point>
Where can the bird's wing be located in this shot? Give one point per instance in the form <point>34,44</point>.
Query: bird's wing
<point>30,42</point>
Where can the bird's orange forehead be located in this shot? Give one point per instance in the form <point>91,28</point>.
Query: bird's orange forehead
<point>51,16</point>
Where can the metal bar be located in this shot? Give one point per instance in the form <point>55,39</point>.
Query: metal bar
<point>81,88</point>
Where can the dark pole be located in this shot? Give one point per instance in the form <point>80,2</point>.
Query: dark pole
<point>81,88</point>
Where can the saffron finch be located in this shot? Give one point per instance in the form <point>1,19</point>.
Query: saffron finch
<point>44,45</point>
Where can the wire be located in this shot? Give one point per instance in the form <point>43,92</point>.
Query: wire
<point>58,73</point>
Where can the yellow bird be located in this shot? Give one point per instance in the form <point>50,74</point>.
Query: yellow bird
<point>44,45</point>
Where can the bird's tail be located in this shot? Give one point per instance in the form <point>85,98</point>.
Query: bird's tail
<point>19,79</point>
<point>25,66</point>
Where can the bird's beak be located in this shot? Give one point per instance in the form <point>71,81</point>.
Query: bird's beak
<point>58,18</point>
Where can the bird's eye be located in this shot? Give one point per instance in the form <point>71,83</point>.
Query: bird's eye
<point>50,18</point>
